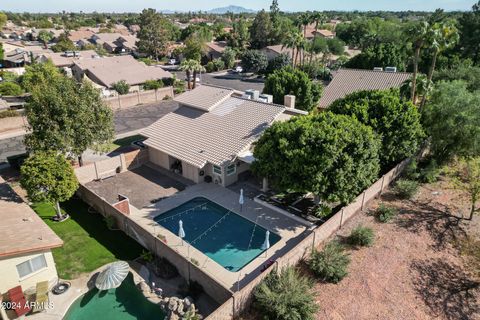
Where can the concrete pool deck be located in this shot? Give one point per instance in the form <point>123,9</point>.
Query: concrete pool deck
<point>290,230</point>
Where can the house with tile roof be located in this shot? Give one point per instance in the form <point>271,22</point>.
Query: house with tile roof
<point>106,71</point>
<point>25,244</point>
<point>211,134</point>
<point>346,81</point>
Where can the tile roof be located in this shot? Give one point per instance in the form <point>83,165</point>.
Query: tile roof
<point>77,35</point>
<point>60,60</point>
<point>109,70</point>
<point>280,49</point>
<point>22,229</point>
<point>217,46</point>
<point>204,97</point>
<point>198,137</point>
<point>346,81</point>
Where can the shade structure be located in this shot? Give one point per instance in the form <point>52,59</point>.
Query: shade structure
<point>112,276</point>
<point>181,232</point>
<point>266,244</point>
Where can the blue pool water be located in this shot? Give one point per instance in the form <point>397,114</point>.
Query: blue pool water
<point>123,303</point>
<point>225,237</point>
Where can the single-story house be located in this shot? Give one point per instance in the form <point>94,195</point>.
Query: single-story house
<point>215,49</point>
<point>106,71</point>
<point>324,33</point>
<point>210,135</point>
<point>116,42</point>
<point>82,34</point>
<point>54,32</point>
<point>25,244</point>
<point>273,51</point>
<point>346,81</point>
<point>66,59</point>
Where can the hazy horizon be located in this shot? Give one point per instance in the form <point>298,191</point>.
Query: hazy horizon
<point>52,6</point>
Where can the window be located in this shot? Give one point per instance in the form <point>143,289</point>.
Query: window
<point>217,169</point>
<point>231,169</point>
<point>31,266</point>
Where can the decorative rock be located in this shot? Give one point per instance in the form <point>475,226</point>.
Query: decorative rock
<point>187,302</point>
<point>172,304</point>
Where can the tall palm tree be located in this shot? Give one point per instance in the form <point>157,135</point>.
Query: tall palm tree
<point>418,36</point>
<point>294,41</point>
<point>422,87</point>
<point>188,66</point>
<point>442,36</point>
<point>197,68</point>
<point>319,19</point>
<point>303,20</point>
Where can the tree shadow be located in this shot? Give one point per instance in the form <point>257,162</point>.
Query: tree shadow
<point>443,225</point>
<point>446,289</point>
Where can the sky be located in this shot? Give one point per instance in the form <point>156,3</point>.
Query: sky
<point>194,5</point>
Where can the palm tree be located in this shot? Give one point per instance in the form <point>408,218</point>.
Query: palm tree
<point>418,36</point>
<point>442,36</point>
<point>197,67</point>
<point>294,41</point>
<point>319,19</point>
<point>422,87</point>
<point>188,66</point>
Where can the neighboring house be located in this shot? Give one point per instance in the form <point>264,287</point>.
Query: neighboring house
<point>116,42</point>
<point>14,59</point>
<point>80,37</point>
<point>106,71</point>
<point>66,59</point>
<point>211,134</point>
<point>25,244</point>
<point>273,51</point>
<point>346,81</point>
<point>215,49</point>
<point>324,33</point>
<point>54,32</point>
<point>15,32</point>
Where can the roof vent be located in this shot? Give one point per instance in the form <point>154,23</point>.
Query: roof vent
<point>379,69</point>
<point>391,69</point>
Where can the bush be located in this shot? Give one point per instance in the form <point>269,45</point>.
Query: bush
<point>168,82</point>
<point>331,263</point>
<point>430,173</point>
<point>254,61</point>
<point>285,296</point>
<point>323,211</point>
<point>228,57</point>
<point>153,84</point>
<point>10,89</point>
<point>279,62</point>
<point>9,113</point>
<point>411,171</point>
<point>384,213</point>
<point>209,67</point>
<point>361,236</point>
<point>406,189</point>
<point>122,87</point>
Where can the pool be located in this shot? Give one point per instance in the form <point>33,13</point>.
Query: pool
<point>227,238</point>
<point>124,303</point>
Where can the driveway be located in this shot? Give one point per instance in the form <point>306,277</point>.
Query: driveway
<point>228,79</point>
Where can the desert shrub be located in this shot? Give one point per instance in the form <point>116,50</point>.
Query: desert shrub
<point>153,84</point>
<point>411,171</point>
<point>430,173</point>
<point>10,89</point>
<point>122,87</point>
<point>285,296</point>
<point>361,236</point>
<point>210,67</point>
<point>406,189</point>
<point>384,213</point>
<point>323,211</point>
<point>331,263</point>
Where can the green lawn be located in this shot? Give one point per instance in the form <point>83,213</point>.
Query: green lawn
<point>123,142</point>
<point>88,243</point>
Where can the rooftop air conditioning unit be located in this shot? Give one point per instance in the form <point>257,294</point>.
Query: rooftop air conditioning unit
<point>391,69</point>
<point>252,94</point>
<point>379,69</point>
<point>268,98</point>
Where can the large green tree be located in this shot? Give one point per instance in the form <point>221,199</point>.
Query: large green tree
<point>254,61</point>
<point>261,30</point>
<point>396,121</point>
<point>67,117</point>
<point>469,26</point>
<point>452,120</point>
<point>45,36</point>
<point>39,74</point>
<point>380,54</point>
<point>295,82</point>
<point>155,32</point>
<point>48,176</point>
<point>240,35</point>
<point>333,156</point>
<point>64,44</point>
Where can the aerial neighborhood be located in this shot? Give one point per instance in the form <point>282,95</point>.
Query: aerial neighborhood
<point>293,161</point>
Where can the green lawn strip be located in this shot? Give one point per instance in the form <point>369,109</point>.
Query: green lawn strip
<point>123,142</point>
<point>88,243</point>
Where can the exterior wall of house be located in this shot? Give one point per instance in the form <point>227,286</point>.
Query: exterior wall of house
<point>190,172</point>
<point>159,158</point>
<point>165,161</point>
<point>11,278</point>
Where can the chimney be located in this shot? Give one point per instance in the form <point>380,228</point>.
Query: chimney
<point>289,101</point>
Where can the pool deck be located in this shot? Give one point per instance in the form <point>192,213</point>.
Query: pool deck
<point>291,231</point>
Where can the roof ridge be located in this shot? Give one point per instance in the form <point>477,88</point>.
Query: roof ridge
<point>261,102</point>
<point>368,70</point>
<point>214,86</point>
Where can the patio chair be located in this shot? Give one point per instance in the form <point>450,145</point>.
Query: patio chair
<point>41,296</point>
<point>17,298</point>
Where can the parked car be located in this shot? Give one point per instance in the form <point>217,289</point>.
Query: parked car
<point>238,69</point>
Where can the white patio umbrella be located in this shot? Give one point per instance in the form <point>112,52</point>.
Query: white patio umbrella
<point>266,244</point>
<point>241,200</point>
<point>112,276</point>
<point>181,232</point>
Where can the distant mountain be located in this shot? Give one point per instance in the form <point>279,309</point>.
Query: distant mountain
<point>232,9</point>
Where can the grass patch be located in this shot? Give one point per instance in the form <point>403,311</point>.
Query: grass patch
<point>88,243</point>
<point>123,142</point>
